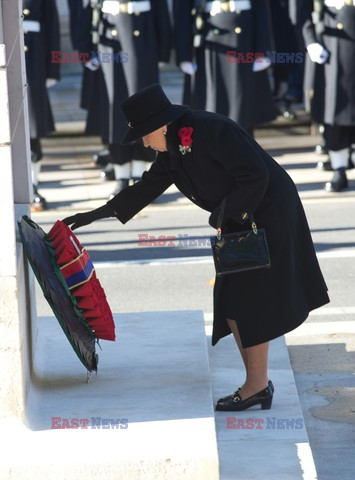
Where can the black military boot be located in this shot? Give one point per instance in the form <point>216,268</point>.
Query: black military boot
<point>38,203</point>
<point>121,185</point>
<point>321,149</point>
<point>338,182</point>
<point>108,173</point>
<point>102,158</point>
<point>325,166</point>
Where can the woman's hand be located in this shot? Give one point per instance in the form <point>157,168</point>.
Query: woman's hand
<point>80,219</point>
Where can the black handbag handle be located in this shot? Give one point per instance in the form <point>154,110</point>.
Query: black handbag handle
<point>220,219</point>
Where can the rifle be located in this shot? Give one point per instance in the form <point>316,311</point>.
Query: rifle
<point>318,19</point>
<point>96,6</point>
<point>199,23</point>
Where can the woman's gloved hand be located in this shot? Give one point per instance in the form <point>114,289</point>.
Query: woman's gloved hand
<point>81,219</point>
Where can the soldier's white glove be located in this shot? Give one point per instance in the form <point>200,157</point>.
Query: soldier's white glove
<point>161,64</point>
<point>261,63</point>
<point>50,82</point>
<point>188,67</point>
<point>317,53</point>
<point>93,64</point>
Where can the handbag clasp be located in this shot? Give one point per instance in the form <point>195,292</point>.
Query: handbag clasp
<point>254,227</point>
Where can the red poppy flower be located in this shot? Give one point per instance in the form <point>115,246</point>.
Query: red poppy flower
<point>185,136</point>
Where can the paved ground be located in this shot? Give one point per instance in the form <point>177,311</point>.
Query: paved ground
<point>139,278</point>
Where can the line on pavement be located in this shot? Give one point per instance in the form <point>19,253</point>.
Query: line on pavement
<point>323,328</point>
<point>201,260</point>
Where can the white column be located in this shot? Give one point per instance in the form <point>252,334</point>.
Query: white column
<point>15,188</point>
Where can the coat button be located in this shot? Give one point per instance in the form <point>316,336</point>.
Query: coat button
<point>25,48</point>
<point>26,12</point>
<point>137,13</point>
<point>244,215</point>
<point>216,31</point>
<point>136,33</point>
<point>340,26</point>
<point>238,30</point>
<point>114,33</point>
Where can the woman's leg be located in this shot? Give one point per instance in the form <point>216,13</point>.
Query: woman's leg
<point>256,363</point>
<point>257,378</point>
<point>234,329</point>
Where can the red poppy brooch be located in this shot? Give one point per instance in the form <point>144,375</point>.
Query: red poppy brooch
<point>185,139</point>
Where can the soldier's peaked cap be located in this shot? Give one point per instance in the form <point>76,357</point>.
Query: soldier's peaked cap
<point>146,111</point>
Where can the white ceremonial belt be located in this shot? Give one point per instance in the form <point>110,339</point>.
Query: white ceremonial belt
<point>222,6</point>
<point>31,26</point>
<point>114,7</point>
<point>339,3</point>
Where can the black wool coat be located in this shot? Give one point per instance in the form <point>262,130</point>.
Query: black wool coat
<point>330,88</point>
<point>39,65</point>
<point>227,161</point>
<point>231,89</point>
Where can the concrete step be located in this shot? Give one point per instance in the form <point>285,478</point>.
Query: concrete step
<point>154,382</point>
<point>149,412</point>
<point>274,443</point>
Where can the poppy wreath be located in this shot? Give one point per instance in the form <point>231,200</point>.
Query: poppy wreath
<point>185,139</point>
<point>77,270</point>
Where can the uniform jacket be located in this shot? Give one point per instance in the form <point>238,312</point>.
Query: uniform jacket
<point>330,88</point>
<point>39,65</point>
<point>142,41</point>
<point>226,161</point>
<point>231,89</point>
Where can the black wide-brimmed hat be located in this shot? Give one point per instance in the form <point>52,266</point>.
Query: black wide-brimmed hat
<point>148,110</point>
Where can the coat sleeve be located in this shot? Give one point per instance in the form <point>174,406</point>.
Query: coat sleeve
<point>183,30</point>
<point>238,153</point>
<point>52,35</point>
<point>133,199</point>
<point>163,29</point>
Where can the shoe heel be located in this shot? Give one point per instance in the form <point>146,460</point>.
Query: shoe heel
<point>266,404</point>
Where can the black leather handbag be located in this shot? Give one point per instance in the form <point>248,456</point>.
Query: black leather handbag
<point>239,251</point>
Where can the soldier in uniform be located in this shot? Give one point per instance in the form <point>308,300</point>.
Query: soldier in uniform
<point>132,38</point>
<point>41,30</point>
<point>329,35</point>
<point>285,41</point>
<point>228,83</point>
<point>84,38</point>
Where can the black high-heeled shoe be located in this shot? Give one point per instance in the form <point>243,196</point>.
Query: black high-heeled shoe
<point>234,402</point>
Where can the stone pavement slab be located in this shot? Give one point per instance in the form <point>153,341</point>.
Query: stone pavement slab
<point>153,379</point>
<point>275,442</point>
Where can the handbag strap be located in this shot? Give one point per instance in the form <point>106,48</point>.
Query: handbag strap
<point>220,219</point>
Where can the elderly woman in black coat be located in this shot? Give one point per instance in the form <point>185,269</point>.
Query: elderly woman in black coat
<point>209,158</point>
